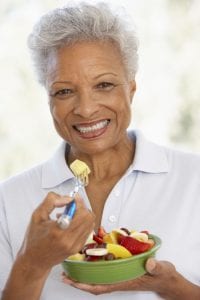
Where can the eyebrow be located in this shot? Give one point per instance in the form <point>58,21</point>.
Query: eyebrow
<point>64,81</point>
<point>96,77</point>
<point>108,73</point>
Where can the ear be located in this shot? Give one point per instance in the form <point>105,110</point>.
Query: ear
<point>132,89</point>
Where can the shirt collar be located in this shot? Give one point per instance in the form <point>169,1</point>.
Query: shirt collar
<point>55,170</point>
<point>149,157</point>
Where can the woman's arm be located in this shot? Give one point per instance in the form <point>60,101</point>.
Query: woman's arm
<point>46,245</point>
<point>170,284</point>
<point>24,282</point>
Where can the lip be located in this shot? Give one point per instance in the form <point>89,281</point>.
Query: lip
<point>90,123</point>
<point>91,134</point>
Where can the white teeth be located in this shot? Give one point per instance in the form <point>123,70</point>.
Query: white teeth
<point>97,126</point>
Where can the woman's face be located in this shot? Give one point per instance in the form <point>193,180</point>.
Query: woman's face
<point>90,96</point>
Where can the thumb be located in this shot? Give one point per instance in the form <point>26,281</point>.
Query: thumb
<point>153,267</point>
<point>51,201</point>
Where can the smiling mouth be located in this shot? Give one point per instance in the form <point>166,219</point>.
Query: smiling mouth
<point>92,128</point>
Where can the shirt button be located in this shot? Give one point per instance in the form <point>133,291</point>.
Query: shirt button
<point>112,219</point>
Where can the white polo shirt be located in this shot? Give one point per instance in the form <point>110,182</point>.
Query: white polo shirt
<point>160,192</point>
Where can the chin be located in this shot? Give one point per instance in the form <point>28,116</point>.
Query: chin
<point>93,149</point>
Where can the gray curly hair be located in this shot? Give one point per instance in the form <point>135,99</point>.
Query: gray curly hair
<point>83,22</point>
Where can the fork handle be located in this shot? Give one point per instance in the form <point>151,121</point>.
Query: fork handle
<point>67,215</point>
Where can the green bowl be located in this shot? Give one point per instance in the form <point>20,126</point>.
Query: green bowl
<point>105,272</point>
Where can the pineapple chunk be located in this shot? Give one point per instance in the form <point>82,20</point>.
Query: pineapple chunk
<point>80,170</point>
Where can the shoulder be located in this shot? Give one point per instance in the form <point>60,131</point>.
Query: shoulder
<point>27,179</point>
<point>155,158</point>
<point>184,160</point>
<point>33,177</point>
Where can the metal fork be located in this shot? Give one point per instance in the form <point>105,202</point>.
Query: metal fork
<point>66,217</point>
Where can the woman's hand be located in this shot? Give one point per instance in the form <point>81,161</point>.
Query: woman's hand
<point>45,243</point>
<point>162,278</point>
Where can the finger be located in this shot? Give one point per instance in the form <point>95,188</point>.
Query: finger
<point>58,215</point>
<point>155,267</point>
<point>51,201</point>
<point>93,289</point>
<point>79,230</point>
<point>66,279</point>
<point>78,206</point>
<point>83,217</point>
<point>151,266</point>
<point>79,201</point>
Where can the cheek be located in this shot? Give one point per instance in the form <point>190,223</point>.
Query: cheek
<point>124,111</point>
<point>57,112</point>
<point>123,105</point>
<point>59,119</point>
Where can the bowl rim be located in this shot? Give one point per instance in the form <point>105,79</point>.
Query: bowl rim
<point>157,245</point>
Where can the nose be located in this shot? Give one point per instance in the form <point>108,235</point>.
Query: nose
<point>86,106</point>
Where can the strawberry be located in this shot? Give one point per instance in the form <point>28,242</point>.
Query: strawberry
<point>133,245</point>
<point>119,238</point>
<point>97,239</point>
<point>101,232</point>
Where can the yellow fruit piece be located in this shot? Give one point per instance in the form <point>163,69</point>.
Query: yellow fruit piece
<point>140,236</point>
<point>80,170</point>
<point>110,238</point>
<point>151,242</point>
<point>77,256</point>
<point>118,251</point>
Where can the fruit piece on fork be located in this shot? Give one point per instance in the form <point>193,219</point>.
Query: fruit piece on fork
<point>81,171</point>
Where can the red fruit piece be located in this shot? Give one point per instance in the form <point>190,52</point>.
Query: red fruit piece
<point>119,238</point>
<point>133,245</point>
<point>101,232</point>
<point>92,258</point>
<point>97,239</point>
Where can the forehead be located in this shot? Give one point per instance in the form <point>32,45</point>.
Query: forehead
<point>90,58</point>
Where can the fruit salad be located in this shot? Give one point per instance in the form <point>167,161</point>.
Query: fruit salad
<point>119,243</point>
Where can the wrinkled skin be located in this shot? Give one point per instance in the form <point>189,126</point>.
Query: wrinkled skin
<point>44,234</point>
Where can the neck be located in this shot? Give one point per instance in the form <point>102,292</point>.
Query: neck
<point>110,163</point>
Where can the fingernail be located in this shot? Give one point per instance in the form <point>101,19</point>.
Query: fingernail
<point>151,264</point>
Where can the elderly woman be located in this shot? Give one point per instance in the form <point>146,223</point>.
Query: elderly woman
<point>86,58</point>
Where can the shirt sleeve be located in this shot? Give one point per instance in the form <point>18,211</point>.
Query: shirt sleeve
<point>6,257</point>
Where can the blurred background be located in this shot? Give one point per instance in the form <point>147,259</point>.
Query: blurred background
<point>166,106</point>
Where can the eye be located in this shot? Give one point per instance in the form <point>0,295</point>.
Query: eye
<point>105,86</point>
<point>63,92</point>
